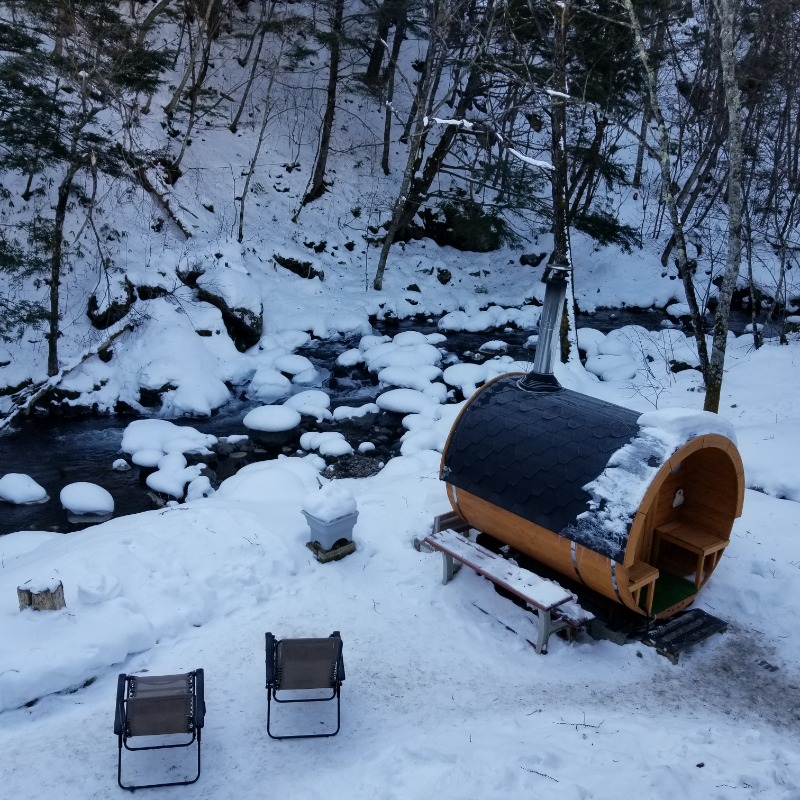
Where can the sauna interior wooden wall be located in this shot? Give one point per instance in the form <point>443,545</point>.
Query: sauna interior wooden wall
<point>518,463</point>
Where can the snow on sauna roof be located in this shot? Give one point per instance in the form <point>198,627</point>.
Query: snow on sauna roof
<point>617,493</point>
<point>570,463</point>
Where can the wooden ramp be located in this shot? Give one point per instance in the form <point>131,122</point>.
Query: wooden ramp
<point>682,632</point>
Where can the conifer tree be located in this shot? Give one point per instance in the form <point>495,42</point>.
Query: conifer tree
<point>70,72</point>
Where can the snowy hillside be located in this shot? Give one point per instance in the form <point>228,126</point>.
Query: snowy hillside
<point>444,696</point>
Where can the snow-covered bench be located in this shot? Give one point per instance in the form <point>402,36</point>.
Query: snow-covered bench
<point>556,608</point>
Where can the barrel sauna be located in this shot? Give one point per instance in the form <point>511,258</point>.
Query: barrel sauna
<point>637,507</point>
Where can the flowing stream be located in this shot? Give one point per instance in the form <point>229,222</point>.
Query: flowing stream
<point>57,451</point>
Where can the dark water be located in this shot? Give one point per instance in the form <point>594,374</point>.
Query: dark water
<point>55,452</point>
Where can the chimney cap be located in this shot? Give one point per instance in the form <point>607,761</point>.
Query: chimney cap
<point>555,272</point>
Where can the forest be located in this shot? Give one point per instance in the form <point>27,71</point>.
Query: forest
<point>482,125</point>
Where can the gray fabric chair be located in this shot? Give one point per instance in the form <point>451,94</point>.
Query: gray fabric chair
<point>159,705</point>
<point>297,666</point>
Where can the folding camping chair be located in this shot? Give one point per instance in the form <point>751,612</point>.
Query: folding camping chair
<point>159,705</point>
<point>299,665</point>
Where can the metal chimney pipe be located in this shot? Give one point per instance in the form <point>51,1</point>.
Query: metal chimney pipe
<point>555,276</point>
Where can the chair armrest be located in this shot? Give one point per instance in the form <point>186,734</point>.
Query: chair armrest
<point>200,705</point>
<point>119,711</point>
<point>340,671</point>
<point>340,667</point>
<point>270,659</point>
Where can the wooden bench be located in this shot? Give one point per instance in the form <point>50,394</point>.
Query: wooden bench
<point>556,608</point>
<point>705,546</point>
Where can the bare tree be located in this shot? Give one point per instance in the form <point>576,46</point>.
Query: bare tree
<point>259,32</point>
<point>712,364</point>
<point>664,153</point>
<point>317,184</point>
<point>437,15</point>
<point>724,11</point>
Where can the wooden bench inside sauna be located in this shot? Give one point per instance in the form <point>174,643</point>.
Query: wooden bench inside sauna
<point>637,507</point>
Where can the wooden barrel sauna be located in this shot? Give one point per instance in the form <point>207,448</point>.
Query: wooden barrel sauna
<point>637,507</point>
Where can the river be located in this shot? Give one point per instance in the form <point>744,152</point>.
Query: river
<point>55,451</point>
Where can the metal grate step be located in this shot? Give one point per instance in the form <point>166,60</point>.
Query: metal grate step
<point>683,632</point>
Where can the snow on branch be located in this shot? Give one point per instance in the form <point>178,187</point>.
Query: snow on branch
<point>482,127</point>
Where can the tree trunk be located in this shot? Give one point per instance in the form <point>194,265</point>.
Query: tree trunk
<point>42,597</point>
<point>420,187</point>
<point>316,187</point>
<point>560,256</point>
<point>725,15</point>
<point>148,21</point>
<point>385,18</point>
<point>55,263</point>
<point>684,267</point>
<point>261,32</point>
<point>389,76</point>
<point>259,142</point>
<point>420,102</point>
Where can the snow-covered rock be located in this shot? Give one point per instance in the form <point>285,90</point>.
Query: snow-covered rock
<point>272,419</point>
<point>83,498</point>
<point>21,489</point>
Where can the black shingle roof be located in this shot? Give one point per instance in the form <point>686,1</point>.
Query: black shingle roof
<point>531,452</point>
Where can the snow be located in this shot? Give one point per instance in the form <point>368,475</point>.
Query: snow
<point>466,377</point>
<point>353,412</point>
<point>618,491</point>
<point>676,426</point>
<point>441,700</point>
<point>86,498</point>
<point>405,401</point>
<point>197,583</point>
<point>311,403</point>
<point>269,385</point>
<point>19,489</point>
<point>272,419</point>
<point>419,377</point>
<point>399,355</point>
<point>172,475</point>
<point>293,364</point>
<point>330,503</point>
<point>328,443</point>
<point>473,319</point>
<point>163,436</point>
<point>494,346</point>
<point>236,288</point>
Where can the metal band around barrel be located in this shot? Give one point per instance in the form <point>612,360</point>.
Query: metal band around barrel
<point>614,582</point>
<point>573,548</point>
<point>456,503</point>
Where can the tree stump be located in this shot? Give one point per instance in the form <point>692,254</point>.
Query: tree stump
<point>41,596</point>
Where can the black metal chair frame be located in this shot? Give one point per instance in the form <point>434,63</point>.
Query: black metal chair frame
<point>195,719</point>
<point>274,682</point>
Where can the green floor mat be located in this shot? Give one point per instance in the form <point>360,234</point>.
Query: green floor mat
<point>671,589</point>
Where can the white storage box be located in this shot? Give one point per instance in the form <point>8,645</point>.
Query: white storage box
<point>326,533</point>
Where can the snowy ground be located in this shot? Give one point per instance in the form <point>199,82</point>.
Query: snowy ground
<point>440,699</point>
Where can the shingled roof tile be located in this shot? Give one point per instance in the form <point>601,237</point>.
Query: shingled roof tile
<point>531,452</point>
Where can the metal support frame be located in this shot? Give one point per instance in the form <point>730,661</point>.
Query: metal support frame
<point>272,695</point>
<point>546,624</point>
<point>273,687</point>
<point>449,568</point>
<point>545,627</point>
<point>195,728</point>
